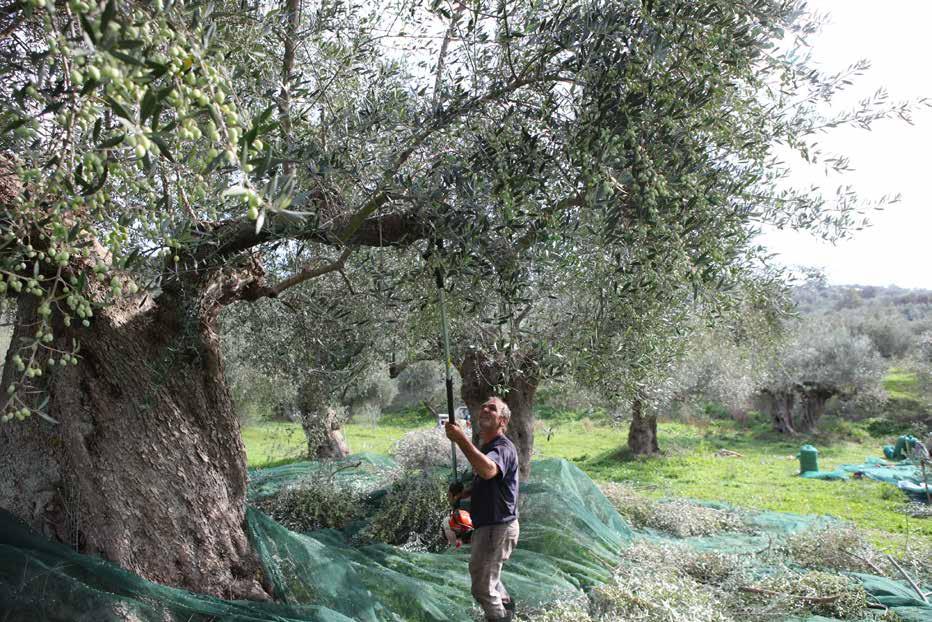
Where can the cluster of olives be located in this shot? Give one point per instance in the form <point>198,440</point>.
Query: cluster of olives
<point>113,168</point>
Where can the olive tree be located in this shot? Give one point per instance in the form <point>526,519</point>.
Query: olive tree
<point>158,158</point>
<point>725,364</point>
<point>819,360</point>
<point>687,170</point>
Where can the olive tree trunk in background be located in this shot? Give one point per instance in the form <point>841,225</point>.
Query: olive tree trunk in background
<point>146,466</point>
<point>642,435</point>
<point>779,405</point>
<point>812,397</point>
<point>321,422</point>
<point>797,409</point>
<point>484,377</point>
<point>324,434</point>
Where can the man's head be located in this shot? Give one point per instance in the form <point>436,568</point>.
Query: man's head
<point>493,417</point>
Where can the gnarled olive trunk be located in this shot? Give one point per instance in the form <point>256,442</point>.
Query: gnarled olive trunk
<point>642,435</point>
<point>481,375</point>
<point>780,405</point>
<point>324,434</point>
<point>812,400</point>
<point>146,465</point>
<point>322,423</point>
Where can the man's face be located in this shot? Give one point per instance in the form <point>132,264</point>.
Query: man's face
<point>490,416</point>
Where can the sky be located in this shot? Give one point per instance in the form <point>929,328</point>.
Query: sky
<point>891,158</point>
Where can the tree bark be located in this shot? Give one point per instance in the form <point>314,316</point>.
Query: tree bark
<point>481,375</point>
<point>321,422</point>
<point>324,434</point>
<point>813,398</point>
<point>642,435</point>
<point>780,407</point>
<point>292,10</point>
<point>146,465</point>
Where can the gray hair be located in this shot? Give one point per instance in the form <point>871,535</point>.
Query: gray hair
<point>504,411</point>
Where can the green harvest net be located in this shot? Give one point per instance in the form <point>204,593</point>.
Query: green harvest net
<point>905,474</point>
<point>571,539</point>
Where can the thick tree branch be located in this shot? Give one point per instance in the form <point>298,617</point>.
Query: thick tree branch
<point>392,229</point>
<point>360,227</point>
<point>246,282</point>
<point>443,120</point>
<point>309,273</point>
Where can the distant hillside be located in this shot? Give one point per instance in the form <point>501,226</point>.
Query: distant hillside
<point>817,298</point>
<point>898,321</point>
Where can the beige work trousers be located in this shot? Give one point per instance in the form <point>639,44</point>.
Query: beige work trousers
<point>491,547</point>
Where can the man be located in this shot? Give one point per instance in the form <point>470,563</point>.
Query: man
<point>494,506</point>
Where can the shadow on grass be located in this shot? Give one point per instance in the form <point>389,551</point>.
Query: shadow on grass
<point>680,441</point>
<point>596,416</point>
<point>278,462</point>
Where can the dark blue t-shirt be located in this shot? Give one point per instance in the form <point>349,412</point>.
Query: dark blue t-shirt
<point>495,501</point>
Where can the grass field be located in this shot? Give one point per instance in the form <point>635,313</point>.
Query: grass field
<point>764,478</point>
<point>271,444</point>
<point>901,384</point>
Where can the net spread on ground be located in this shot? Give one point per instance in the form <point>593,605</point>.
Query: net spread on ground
<point>571,540</point>
<point>900,468</point>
